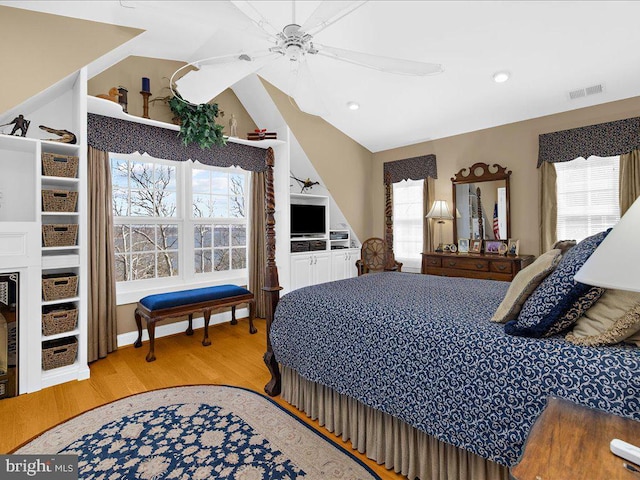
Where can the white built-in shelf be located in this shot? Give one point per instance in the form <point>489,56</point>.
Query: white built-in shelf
<point>61,374</point>
<point>60,214</point>
<point>59,249</point>
<point>59,148</point>
<point>59,181</point>
<point>308,195</point>
<point>70,333</point>
<point>107,108</point>
<point>61,300</point>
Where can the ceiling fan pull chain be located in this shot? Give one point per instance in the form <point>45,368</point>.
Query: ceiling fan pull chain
<point>293,11</point>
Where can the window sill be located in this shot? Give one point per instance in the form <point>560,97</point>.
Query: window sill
<point>134,291</point>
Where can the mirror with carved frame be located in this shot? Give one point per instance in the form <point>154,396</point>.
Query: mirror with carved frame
<point>477,191</point>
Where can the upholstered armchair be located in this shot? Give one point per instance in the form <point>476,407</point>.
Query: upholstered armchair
<point>373,257</point>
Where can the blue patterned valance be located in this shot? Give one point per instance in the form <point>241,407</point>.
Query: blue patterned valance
<point>603,140</point>
<point>416,168</point>
<point>120,136</point>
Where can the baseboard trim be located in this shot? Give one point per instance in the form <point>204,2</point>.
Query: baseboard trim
<point>129,338</point>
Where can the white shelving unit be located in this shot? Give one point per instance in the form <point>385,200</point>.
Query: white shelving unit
<point>22,217</point>
<point>328,260</point>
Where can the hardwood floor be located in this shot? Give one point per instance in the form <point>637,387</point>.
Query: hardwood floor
<point>234,358</point>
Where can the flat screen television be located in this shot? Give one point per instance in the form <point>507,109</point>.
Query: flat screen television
<point>308,220</point>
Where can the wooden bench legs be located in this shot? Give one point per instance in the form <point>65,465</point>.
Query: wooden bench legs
<point>151,320</point>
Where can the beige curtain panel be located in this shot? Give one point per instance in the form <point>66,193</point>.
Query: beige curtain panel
<point>102,328</point>
<point>548,207</point>
<point>629,179</point>
<point>257,248</point>
<point>429,197</point>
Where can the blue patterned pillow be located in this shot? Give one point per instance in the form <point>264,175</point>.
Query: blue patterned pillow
<point>556,294</point>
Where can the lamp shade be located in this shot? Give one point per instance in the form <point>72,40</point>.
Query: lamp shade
<point>616,261</point>
<point>440,211</point>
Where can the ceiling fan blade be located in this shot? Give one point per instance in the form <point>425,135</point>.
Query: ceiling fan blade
<point>256,19</point>
<point>214,75</point>
<point>304,90</point>
<point>327,13</point>
<point>384,64</point>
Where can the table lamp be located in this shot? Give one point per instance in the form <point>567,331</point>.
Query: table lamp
<point>615,264</point>
<point>440,212</point>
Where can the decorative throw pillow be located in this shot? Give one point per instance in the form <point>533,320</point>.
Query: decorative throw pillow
<point>615,318</point>
<point>523,285</point>
<point>564,245</point>
<point>579,307</point>
<point>556,294</point>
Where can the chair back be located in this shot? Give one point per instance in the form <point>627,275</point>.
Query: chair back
<point>372,254</point>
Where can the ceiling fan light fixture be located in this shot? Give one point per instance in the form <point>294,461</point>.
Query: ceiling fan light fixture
<point>353,105</point>
<point>501,77</point>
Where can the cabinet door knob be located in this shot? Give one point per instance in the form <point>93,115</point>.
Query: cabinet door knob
<point>502,267</point>
<point>452,263</point>
<point>479,265</point>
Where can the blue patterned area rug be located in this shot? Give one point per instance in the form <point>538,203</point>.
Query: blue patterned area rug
<point>197,432</point>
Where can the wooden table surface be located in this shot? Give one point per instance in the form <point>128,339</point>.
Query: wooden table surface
<point>569,441</point>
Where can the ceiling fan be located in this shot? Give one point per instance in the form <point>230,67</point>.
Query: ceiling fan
<point>295,43</point>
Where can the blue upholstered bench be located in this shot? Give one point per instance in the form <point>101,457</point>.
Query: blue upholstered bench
<point>187,302</point>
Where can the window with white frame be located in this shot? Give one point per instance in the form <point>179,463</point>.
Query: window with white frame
<point>177,220</point>
<point>220,220</point>
<point>587,196</point>
<point>408,218</point>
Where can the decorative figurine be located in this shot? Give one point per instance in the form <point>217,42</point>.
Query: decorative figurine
<point>20,123</point>
<point>65,135</point>
<point>233,126</point>
<point>113,95</point>
<point>305,184</point>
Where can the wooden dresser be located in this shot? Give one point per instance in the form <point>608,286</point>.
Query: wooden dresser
<point>474,265</point>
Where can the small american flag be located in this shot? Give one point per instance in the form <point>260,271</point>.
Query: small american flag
<point>496,226</point>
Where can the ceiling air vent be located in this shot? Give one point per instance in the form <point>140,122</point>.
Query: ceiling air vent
<point>584,92</point>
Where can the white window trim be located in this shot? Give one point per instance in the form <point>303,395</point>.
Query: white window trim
<point>132,291</point>
<point>409,264</point>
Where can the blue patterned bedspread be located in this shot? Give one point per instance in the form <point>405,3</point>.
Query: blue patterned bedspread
<point>422,348</point>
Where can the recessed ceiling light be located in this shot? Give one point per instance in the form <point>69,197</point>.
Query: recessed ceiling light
<point>500,77</point>
<point>353,105</point>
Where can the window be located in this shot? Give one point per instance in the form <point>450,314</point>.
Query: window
<point>146,219</point>
<point>177,222</point>
<point>587,196</point>
<point>408,218</point>
<point>220,226</point>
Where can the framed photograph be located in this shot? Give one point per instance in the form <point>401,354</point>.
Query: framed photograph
<point>475,246</point>
<point>463,245</point>
<point>453,248</point>
<point>514,246</point>
<point>493,246</point>
<point>503,249</point>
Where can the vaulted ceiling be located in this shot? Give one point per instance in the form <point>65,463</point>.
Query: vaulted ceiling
<point>550,48</point>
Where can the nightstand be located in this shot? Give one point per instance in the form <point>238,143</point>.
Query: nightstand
<point>570,441</point>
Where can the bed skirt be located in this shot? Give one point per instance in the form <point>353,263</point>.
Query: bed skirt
<point>384,438</point>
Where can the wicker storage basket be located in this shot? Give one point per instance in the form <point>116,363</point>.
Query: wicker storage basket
<point>59,319</point>
<point>59,285</point>
<point>54,165</point>
<point>59,353</point>
<point>59,200</point>
<point>59,235</point>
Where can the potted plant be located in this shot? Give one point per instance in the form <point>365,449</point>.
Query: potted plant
<point>198,123</point>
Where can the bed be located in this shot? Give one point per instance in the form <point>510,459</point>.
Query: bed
<point>418,353</point>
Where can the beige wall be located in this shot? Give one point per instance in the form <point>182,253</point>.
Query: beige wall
<point>41,49</point>
<point>129,72</point>
<point>343,164</point>
<point>514,146</point>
